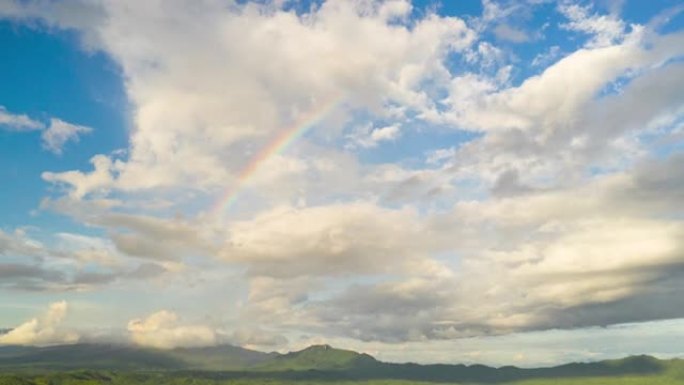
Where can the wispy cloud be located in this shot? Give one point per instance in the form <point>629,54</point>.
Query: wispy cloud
<point>54,135</point>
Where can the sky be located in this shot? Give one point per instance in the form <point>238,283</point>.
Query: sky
<point>497,182</point>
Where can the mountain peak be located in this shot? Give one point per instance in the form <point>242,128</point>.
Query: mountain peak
<point>319,347</point>
<point>320,357</point>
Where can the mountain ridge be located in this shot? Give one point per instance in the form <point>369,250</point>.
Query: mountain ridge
<point>317,362</point>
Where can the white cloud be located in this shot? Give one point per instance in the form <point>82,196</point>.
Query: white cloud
<point>59,132</point>
<point>605,30</point>
<point>42,331</point>
<point>82,183</point>
<point>14,122</point>
<point>367,136</point>
<point>54,135</point>
<point>546,58</point>
<point>528,127</point>
<point>184,134</point>
<point>162,330</point>
<point>333,240</point>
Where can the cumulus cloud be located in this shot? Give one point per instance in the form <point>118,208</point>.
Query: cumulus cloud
<point>82,183</point>
<point>42,331</point>
<point>390,61</point>
<point>533,261</point>
<point>528,261</point>
<point>333,240</point>
<point>547,126</point>
<point>162,330</point>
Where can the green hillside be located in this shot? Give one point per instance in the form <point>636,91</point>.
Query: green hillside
<point>319,357</point>
<point>222,357</point>
<point>123,357</point>
<point>87,364</point>
<point>671,374</point>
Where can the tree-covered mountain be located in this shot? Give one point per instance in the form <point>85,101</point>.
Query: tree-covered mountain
<point>320,357</point>
<point>219,364</point>
<point>126,357</point>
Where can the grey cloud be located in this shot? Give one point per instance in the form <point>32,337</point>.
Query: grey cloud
<point>423,186</point>
<point>146,271</point>
<point>140,246</point>
<point>660,298</point>
<point>508,33</point>
<point>508,183</point>
<point>11,271</point>
<point>19,244</point>
<point>93,278</point>
<point>659,183</point>
<point>138,235</point>
<point>384,312</point>
<point>439,311</point>
<point>627,267</point>
<point>38,278</point>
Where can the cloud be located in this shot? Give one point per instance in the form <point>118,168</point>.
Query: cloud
<point>547,126</point>
<point>368,136</point>
<point>508,33</point>
<point>54,135</point>
<point>604,30</point>
<point>59,132</point>
<point>14,122</point>
<point>42,331</point>
<point>83,183</point>
<point>30,277</point>
<point>357,238</point>
<point>73,263</point>
<point>527,261</point>
<point>258,338</point>
<point>184,134</point>
<point>162,330</point>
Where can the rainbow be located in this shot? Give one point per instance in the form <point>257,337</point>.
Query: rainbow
<point>279,144</point>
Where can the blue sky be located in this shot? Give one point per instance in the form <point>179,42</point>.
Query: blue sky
<point>47,74</point>
<point>492,178</point>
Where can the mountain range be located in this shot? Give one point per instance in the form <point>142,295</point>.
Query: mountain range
<point>318,362</point>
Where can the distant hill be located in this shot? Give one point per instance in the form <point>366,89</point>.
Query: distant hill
<point>124,357</point>
<point>222,357</point>
<point>320,357</point>
<point>315,363</point>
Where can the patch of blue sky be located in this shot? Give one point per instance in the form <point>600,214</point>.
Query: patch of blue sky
<point>666,141</point>
<point>412,147</point>
<point>46,74</point>
<point>644,12</point>
<point>463,8</point>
